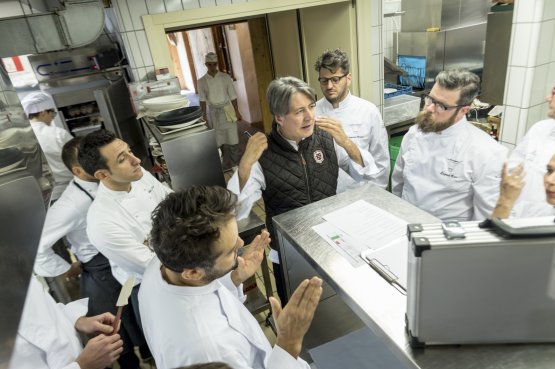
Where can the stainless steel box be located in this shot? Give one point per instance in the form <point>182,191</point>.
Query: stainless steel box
<point>484,288</point>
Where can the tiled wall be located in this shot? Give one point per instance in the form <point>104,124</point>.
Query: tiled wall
<point>376,23</point>
<point>531,68</point>
<point>128,14</point>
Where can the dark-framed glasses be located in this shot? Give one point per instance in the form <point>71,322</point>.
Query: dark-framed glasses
<point>335,79</point>
<point>441,107</point>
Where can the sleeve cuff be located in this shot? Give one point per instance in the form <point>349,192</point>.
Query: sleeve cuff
<point>76,309</point>
<point>280,359</point>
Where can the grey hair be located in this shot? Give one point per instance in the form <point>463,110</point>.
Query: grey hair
<point>463,80</point>
<point>281,90</point>
<point>333,59</point>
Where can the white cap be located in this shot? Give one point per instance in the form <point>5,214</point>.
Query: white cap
<point>211,58</point>
<point>36,102</point>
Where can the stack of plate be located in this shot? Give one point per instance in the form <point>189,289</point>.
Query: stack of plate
<point>165,103</point>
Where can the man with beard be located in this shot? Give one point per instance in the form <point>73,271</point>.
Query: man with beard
<point>522,188</point>
<point>191,298</point>
<point>360,119</point>
<point>446,166</point>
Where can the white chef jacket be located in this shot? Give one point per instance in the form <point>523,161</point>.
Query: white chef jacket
<point>51,140</point>
<point>534,151</point>
<point>216,91</point>
<point>46,338</point>
<point>118,224</point>
<point>454,175</point>
<point>363,124</point>
<point>66,217</point>
<point>252,191</point>
<point>190,325</point>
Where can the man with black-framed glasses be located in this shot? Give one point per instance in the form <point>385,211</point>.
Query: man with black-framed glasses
<point>361,120</point>
<point>447,166</point>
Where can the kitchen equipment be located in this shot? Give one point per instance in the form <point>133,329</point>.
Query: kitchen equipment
<point>182,115</point>
<point>495,285</point>
<point>10,158</point>
<point>400,108</point>
<point>123,299</point>
<point>165,103</point>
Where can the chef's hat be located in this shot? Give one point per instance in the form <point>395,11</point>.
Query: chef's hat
<point>211,58</point>
<point>36,102</point>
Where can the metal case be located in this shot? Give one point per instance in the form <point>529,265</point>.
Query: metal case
<point>480,289</point>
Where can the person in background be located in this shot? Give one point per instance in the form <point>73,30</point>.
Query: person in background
<point>360,119</point>
<point>446,166</point>
<point>47,337</point>
<point>530,155</point>
<point>298,163</point>
<point>41,111</point>
<point>216,90</point>
<point>68,217</point>
<point>118,221</point>
<point>192,296</point>
<point>511,190</point>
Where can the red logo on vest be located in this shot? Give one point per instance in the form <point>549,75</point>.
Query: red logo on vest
<point>318,156</point>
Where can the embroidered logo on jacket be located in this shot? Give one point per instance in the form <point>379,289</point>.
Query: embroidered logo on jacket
<point>318,156</point>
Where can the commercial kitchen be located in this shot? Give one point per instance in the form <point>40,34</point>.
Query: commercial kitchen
<point>401,288</point>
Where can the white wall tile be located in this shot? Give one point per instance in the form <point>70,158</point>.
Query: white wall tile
<point>125,15</point>
<point>118,18</point>
<point>524,37</point>
<point>534,115</point>
<point>375,42</point>
<point>135,49</point>
<point>513,91</point>
<point>11,9</point>
<point>144,48</point>
<point>551,74</point>
<point>127,50</point>
<point>142,74</point>
<point>135,73</point>
<point>391,6</point>
<point>26,8</point>
<point>377,90</point>
<point>529,10</point>
<point>223,2</point>
<point>137,8</point>
<point>207,3</point>
<point>545,42</point>
<point>376,15</point>
<point>375,68</point>
<point>522,124</point>
<point>190,4</point>
<point>509,124</point>
<point>549,10</point>
<point>539,84</point>
<point>173,5</point>
<point>238,1</point>
<point>155,6</point>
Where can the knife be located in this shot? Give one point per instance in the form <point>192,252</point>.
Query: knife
<point>123,299</point>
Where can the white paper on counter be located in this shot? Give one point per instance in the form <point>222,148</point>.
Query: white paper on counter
<point>367,224</point>
<point>342,243</point>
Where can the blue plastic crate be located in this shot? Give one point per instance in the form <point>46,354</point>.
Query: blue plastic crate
<point>401,90</point>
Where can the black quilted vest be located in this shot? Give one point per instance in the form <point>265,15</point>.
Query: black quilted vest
<point>297,178</point>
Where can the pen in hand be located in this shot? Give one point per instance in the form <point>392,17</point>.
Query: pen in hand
<point>246,133</point>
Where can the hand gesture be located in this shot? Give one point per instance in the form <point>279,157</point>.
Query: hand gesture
<point>511,183</point>
<point>74,270</point>
<point>256,145</point>
<point>293,321</point>
<point>100,352</point>
<point>249,262</point>
<point>334,128</point>
<point>95,324</point>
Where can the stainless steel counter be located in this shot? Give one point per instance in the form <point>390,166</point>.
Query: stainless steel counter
<point>378,305</point>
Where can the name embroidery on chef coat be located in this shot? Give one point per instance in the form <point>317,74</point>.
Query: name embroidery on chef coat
<point>318,156</point>
<point>452,164</point>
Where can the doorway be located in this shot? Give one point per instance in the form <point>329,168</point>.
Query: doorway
<point>233,43</point>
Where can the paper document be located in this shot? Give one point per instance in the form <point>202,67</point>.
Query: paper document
<point>342,242</point>
<point>367,224</point>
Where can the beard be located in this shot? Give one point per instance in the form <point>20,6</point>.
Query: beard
<point>213,273</point>
<point>427,124</point>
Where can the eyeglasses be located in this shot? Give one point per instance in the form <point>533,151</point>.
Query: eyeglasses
<point>441,107</point>
<point>335,79</point>
<point>211,64</point>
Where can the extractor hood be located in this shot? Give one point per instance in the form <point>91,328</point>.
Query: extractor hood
<point>73,24</point>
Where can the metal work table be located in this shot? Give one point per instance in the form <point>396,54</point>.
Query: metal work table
<point>376,303</point>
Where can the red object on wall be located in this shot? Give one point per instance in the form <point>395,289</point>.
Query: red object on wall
<point>17,63</point>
